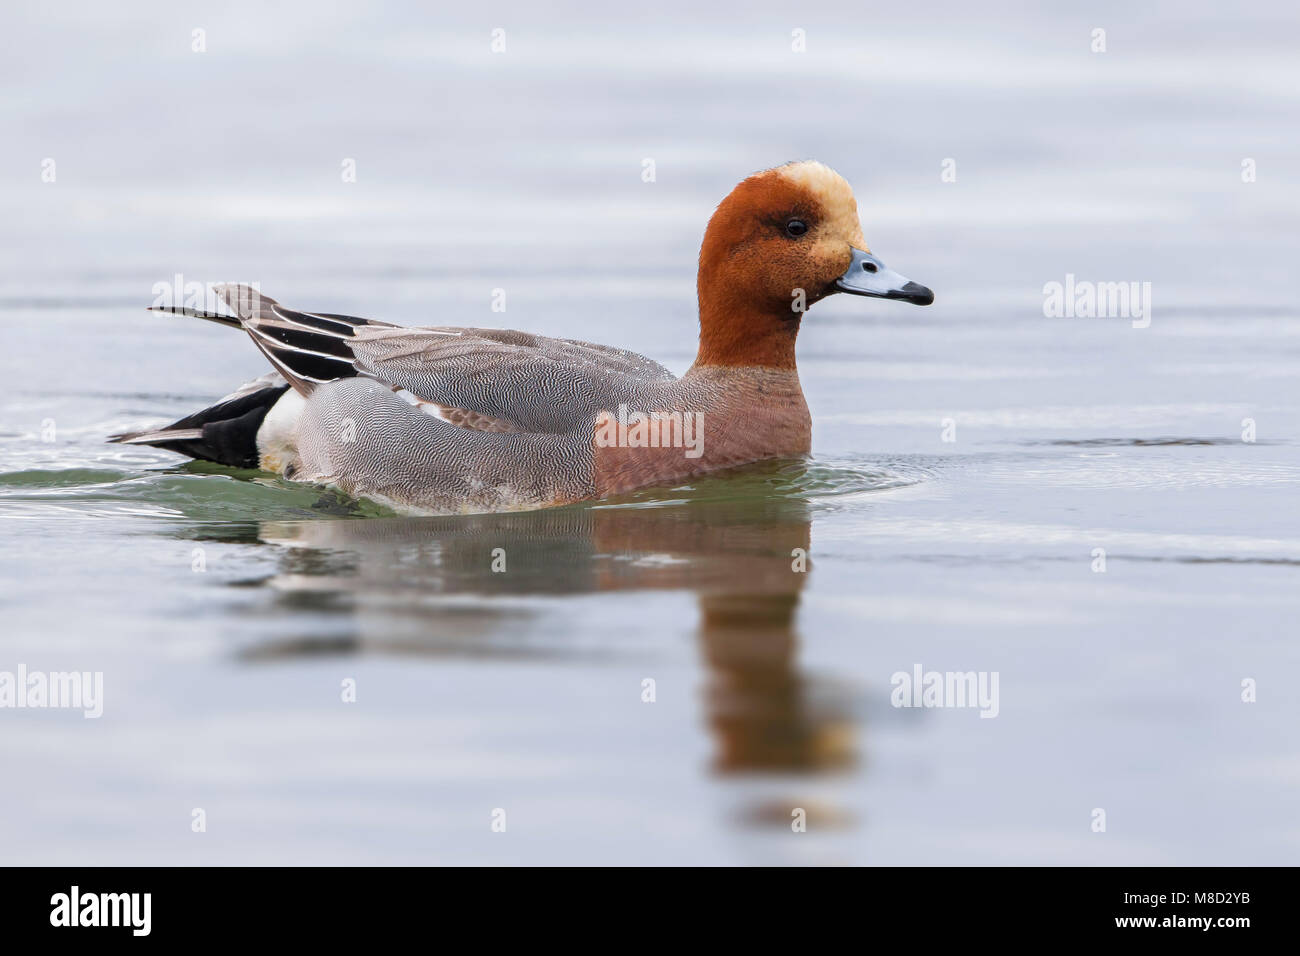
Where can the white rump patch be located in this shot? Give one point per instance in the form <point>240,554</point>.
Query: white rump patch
<point>277,439</point>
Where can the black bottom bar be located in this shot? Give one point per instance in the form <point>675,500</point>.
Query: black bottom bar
<point>331,905</point>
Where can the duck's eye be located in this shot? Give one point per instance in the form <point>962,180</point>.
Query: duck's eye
<point>795,228</point>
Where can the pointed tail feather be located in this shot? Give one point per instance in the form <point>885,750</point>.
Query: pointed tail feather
<point>225,433</point>
<point>157,437</point>
<point>217,317</point>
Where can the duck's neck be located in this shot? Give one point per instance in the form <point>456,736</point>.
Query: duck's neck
<point>746,367</point>
<point>743,388</point>
<point>734,334</point>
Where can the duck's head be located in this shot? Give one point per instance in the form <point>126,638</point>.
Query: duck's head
<point>782,240</point>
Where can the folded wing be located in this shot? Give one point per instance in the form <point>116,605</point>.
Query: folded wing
<point>482,379</point>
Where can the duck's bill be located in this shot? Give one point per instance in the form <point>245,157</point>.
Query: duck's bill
<point>867,275</point>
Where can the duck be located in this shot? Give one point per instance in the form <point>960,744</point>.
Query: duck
<point>446,420</point>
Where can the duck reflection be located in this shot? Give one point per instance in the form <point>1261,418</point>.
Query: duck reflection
<point>480,585</point>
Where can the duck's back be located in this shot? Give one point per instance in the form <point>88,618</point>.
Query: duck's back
<point>529,382</point>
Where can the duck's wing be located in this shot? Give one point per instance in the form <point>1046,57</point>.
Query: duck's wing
<point>485,379</point>
<point>537,383</point>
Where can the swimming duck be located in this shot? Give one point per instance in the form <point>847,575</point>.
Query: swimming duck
<point>448,420</point>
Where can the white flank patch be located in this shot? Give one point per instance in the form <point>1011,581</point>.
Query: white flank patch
<point>277,439</point>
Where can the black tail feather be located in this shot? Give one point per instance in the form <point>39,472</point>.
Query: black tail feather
<point>226,432</point>
<point>307,348</point>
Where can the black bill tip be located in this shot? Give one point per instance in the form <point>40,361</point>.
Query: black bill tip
<point>915,293</point>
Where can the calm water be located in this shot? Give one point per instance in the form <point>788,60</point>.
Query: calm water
<point>225,609</point>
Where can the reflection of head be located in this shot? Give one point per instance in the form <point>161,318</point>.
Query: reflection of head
<point>765,713</point>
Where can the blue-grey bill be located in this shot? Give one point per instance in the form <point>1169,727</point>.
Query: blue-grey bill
<point>867,275</point>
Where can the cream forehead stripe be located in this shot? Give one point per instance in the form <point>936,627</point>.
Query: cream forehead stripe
<point>834,194</point>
